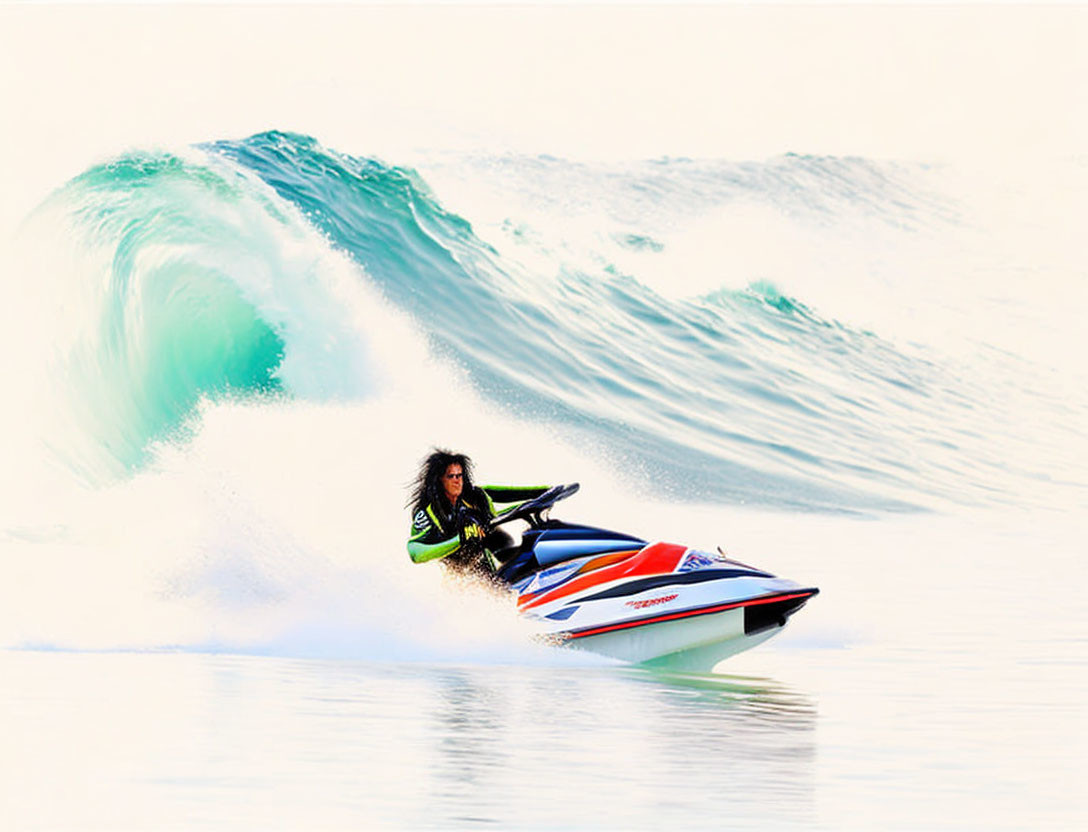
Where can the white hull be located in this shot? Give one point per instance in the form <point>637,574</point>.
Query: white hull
<point>663,605</point>
<point>666,626</point>
<point>692,644</point>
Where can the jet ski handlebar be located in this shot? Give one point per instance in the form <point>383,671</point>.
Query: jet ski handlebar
<point>532,509</point>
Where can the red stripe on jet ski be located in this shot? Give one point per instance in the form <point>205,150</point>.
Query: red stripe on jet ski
<point>657,558</point>
<point>655,619</point>
<point>589,566</point>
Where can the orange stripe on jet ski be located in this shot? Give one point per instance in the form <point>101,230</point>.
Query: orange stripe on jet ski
<point>606,560</point>
<point>656,619</point>
<point>655,559</point>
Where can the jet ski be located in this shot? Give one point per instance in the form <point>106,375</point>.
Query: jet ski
<point>647,602</point>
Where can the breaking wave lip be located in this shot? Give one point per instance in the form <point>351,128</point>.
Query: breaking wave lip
<point>200,285</point>
<point>210,280</point>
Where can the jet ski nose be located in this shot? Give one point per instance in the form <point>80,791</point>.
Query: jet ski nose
<point>776,611</point>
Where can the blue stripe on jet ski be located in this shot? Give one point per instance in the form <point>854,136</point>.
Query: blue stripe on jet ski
<point>673,578</point>
<point>563,614</point>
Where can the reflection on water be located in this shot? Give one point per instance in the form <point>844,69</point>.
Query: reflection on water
<point>618,747</point>
<point>469,738</point>
<point>871,737</point>
<point>215,742</point>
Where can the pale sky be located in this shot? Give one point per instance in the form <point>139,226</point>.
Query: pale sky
<point>926,82</point>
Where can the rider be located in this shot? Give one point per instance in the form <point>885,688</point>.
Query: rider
<point>451,517</point>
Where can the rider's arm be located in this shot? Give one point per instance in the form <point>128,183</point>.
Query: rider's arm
<point>427,541</point>
<point>505,498</point>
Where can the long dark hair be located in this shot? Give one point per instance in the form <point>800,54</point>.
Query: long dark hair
<point>427,487</point>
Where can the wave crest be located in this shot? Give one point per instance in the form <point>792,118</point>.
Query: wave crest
<point>193,283</point>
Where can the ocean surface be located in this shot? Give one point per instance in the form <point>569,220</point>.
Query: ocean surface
<point>224,362</point>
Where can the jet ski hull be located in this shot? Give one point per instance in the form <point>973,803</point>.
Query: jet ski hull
<point>692,639</point>
<point>660,603</point>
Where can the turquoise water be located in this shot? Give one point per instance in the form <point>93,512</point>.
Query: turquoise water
<point>746,394</point>
<point>229,358</point>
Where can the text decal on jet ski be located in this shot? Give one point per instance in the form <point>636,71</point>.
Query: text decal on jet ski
<point>651,602</point>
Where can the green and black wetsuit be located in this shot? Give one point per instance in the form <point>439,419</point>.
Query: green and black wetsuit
<point>436,528</point>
